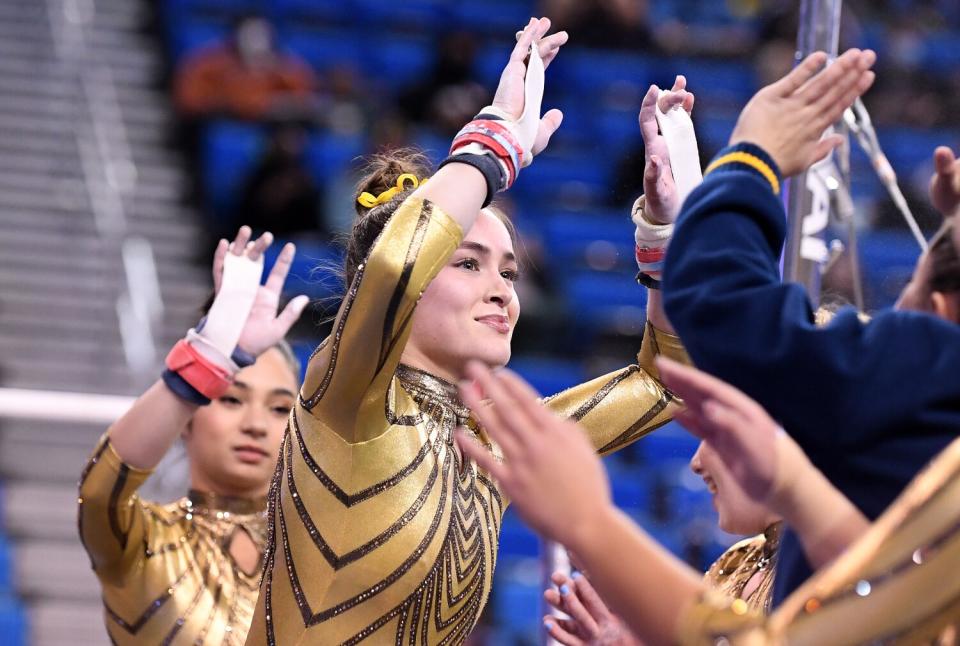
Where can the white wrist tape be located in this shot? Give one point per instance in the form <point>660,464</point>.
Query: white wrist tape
<point>647,234</point>
<point>525,128</point>
<point>677,129</point>
<point>228,314</point>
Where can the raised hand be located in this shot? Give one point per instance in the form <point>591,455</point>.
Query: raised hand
<point>263,327</point>
<point>513,95</point>
<point>788,118</point>
<point>735,426</point>
<point>591,623</point>
<point>549,469</point>
<point>662,203</point>
<point>945,183</point>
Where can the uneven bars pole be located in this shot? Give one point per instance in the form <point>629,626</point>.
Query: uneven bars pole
<point>819,31</point>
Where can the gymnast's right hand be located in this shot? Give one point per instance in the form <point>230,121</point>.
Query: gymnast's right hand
<point>520,92</point>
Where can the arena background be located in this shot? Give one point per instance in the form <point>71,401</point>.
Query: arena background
<point>114,180</point>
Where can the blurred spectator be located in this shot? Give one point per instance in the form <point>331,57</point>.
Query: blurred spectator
<point>451,95</point>
<point>280,195</point>
<point>344,106</point>
<point>618,24</point>
<point>244,78</point>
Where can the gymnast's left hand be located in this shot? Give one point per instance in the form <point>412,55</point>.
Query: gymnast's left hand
<point>549,469</point>
<point>662,205</point>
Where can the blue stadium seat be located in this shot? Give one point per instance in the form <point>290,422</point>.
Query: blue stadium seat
<point>941,51</point>
<point>188,37</point>
<point>423,15</point>
<point>555,178</point>
<point>518,604</point>
<point>910,149</point>
<point>516,539</point>
<point>288,12</point>
<point>303,350</point>
<point>630,490</point>
<point>398,62</point>
<point>578,130</point>
<point>434,145</point>
<point>13,622</point>
<point>887,259</point>
<point>569,236</point>
<point>322,48</point>
<point>671,442</point>
<point>607,301</point>
<point>216,6</point>
<point>229,153</point>
<point>548,375</point>
<point>732,82</point>
<point>489,63</point>
<point>590,71</point>
<point>6,565</point>
<point>713,130</point>
<point>313,271</point>
<point>496,17</point>
<point>617,131</point>
<point>329,154</point>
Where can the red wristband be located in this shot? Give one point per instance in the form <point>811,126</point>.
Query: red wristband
<point>647,255</point>
<point>210,380</point>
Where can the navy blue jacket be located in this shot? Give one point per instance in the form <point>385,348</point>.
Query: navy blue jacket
<point>870,403</point>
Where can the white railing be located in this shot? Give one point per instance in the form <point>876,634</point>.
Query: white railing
<point>49,405</point>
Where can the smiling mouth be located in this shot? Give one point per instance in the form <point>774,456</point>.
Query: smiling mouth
<point>500,324</point>
<point>711,486</point>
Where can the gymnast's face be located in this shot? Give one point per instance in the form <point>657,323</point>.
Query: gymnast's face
<point>737,512</point>
<point>469,310</point>
<point>233,443</point>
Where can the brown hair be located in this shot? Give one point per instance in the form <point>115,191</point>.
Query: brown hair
<point>380,174</point>
<point>944,261</point>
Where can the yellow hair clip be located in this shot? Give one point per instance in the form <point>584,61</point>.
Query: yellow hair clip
<point>369,201</point>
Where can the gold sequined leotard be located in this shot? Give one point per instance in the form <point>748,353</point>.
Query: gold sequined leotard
<point>166,571</point>
<point>895,585</point>
<point>379,529</point>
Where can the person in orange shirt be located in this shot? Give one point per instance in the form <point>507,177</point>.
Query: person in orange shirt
<point>246,77</point>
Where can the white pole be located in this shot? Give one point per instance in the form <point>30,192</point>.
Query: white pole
<point>49,405</point>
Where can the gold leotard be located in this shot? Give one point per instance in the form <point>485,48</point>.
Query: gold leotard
<point>379,530</point>
<point>166,571</point>
<point>895,585</point>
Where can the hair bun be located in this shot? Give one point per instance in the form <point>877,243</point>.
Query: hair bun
<point>383,169</point>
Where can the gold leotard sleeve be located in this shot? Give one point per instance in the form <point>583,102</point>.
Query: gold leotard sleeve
<point>623,406</point>
<point>165,576</point>
<point>349,376</point>
<point>110,518</point>
<point>894,586</point>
